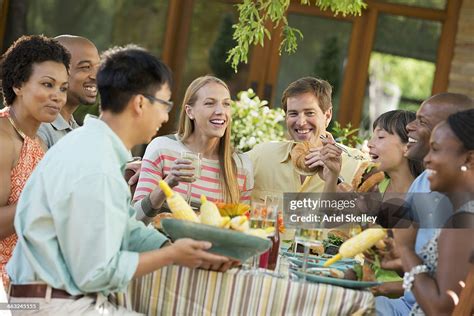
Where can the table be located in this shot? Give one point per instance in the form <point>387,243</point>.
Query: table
<point>175,290</point>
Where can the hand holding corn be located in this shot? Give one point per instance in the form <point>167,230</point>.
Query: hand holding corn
<point>358,244</point>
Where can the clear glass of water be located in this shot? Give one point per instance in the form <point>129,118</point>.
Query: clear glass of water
<point>308,238</point>
<point>196,161</point>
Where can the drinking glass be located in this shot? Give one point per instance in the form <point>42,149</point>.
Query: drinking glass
<point>308,238</point>
<point>196,160</point>
<point>262,216</point>
<point>276,204</point>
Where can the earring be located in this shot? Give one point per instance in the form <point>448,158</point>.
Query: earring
<point>191,118</point>
<point>463,168</point>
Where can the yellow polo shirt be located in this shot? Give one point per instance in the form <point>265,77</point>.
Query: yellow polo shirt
<point>274,173</point>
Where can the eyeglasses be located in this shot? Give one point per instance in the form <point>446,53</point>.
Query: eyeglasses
<point>152,99</point>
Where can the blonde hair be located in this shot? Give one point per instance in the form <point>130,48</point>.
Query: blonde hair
<point>228,178</point>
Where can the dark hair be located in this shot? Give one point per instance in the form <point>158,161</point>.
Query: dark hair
<point>395,122</point>
<point>17,62</point>
<point>451,102</point>
<point>321,89</point>
<point>126,71</point>
<point>462,124</point>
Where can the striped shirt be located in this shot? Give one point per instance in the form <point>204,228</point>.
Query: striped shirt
<point>159,158</point>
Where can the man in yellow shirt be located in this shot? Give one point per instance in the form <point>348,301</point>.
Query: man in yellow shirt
<point>308,107</point>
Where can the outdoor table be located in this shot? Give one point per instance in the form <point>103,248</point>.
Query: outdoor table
<point>175,290</point>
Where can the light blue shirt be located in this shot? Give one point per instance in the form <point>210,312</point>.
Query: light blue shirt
<point>430,209</point>
<point>76,229</point>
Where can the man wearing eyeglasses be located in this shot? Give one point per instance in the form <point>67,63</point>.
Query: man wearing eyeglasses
<point>167,104</point>
<point>78,239</point>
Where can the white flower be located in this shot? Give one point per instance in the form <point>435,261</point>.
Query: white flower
<point>253,122</point>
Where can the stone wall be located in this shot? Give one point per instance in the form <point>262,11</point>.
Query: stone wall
<point>461,77</point>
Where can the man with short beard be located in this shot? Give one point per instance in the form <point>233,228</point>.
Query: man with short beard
<point>430,209</point>
<point>82,87</point>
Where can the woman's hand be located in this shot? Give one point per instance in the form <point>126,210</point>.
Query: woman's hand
<point>389,257</point>
<point>181,171</point>
<point>405,238</point>
<point>132,169</point>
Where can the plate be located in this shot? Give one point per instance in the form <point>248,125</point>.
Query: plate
<point>320,259</point>
<point>335,281</point>
<point>225,242</point>
<point>320,263</point>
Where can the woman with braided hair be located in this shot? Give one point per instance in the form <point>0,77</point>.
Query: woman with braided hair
<point>434,277</point>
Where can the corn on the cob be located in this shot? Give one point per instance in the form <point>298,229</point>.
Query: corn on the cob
<point>209,213</point>
<point>358,244</point>
<point>240,223</point>
<point>225,222</point>
<point>177,205</point>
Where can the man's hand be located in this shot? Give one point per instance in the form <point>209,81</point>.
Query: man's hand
<point>329,156</point>
<point>220,267</point>
<point>181,171</point>
<point>192,254</point>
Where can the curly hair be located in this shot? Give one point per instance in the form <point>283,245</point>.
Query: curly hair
<point>16,64</point>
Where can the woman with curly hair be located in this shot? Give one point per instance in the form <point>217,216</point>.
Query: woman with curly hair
<point>34,75</point>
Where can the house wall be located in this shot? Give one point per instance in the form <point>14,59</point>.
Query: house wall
<point>461,77</point>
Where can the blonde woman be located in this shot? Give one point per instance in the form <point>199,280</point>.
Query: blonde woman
<point>204,127</point>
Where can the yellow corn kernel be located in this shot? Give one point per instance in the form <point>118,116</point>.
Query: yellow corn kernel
<point>209,213</point>
<point>225,223</point>
<point>177,205</point>
<point>358,244</point>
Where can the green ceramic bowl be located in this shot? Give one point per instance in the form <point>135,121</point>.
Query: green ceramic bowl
<point>225,242</point>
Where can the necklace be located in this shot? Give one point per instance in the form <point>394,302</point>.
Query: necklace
<point>17,129</point>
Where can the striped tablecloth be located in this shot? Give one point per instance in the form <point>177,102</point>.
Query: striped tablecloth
<point>177,290</point>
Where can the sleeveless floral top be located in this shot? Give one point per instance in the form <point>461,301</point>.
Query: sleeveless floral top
<point>429,254</point>
<point>30,154</point>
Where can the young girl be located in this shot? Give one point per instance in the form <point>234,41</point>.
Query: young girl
<point>387,149</point>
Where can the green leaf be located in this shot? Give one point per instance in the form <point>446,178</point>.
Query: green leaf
<point>250,28</point>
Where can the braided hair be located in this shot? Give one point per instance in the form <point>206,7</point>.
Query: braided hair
<point>462,124</point>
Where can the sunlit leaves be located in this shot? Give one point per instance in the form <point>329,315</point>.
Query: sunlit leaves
<point>255,15</point>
